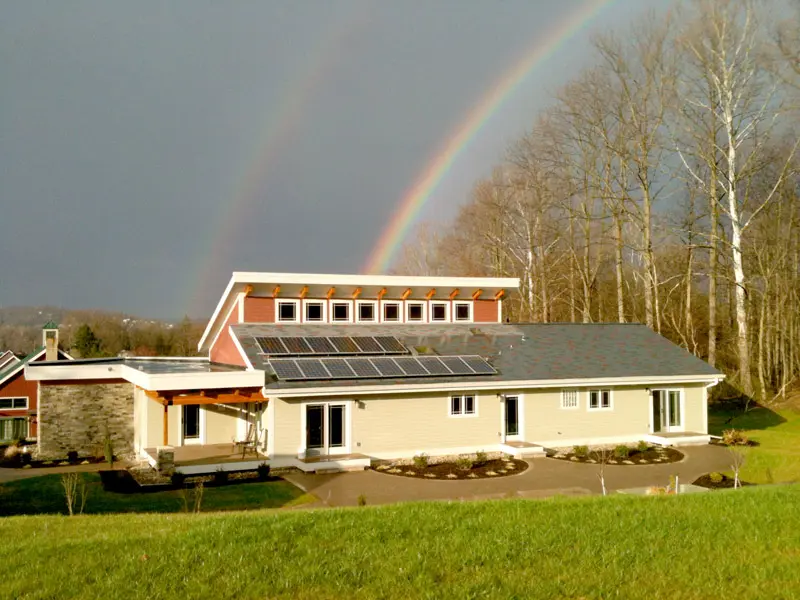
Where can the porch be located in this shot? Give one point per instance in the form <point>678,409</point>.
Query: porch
<point>208,458</point>
<point>678,438</point>
<point>333,462</point>
<point>519,449</point>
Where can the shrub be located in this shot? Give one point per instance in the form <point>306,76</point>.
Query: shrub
<point>12,451</point>
<point>622,451</point>
<point>263,471</point>
<point>580,451</point>
<point>464,463</point>
<point>734,437</point>
<point>362,500</point>
<point>178,479</point>
<point>715,477</point>
<point>481,458</point>
<point>643,446</point>
<point>421,460</point>
<point>220,477</point>
<point>72,456</point>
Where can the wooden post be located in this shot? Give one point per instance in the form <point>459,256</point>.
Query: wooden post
<point>166,424</point>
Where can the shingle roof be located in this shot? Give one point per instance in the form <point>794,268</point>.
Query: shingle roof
<point>20,364</point>
<point>519,352</point>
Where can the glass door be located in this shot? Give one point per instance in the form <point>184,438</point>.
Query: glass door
<point>191,423</point>
<point>511,424</point>
<point>667,411</point>
<point>325,429</point>
<point>315,423</point>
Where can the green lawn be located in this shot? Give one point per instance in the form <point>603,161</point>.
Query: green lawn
<point>44,495</point>
<point>777,457</point>
<point>728,544</point>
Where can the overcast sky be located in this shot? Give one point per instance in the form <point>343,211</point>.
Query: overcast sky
<point>149,148</point>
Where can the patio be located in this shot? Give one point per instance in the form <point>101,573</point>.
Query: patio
<point>208,458</point>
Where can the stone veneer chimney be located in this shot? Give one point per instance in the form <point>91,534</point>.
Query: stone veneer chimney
<point>50,340</point>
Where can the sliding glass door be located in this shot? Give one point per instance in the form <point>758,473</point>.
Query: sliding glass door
<point>667,413</point>
<point>326,429</point>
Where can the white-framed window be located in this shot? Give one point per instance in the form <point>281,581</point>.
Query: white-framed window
<point>15,428</point>
<point>366,311</point>
<point>341,311</point>
<point>440,311</point>
<point>391,312</point>
<point>288,311</point>
<point>599,400</point>
<point>569,398</point>
<point>462,311</point>
<point>415,312</point>
<point>14,403</point>
<point>314,311</point>
<point>464,405</point>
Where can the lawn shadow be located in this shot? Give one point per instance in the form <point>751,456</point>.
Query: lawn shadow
<point>729,408</point>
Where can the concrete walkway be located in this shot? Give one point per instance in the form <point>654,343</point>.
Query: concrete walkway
<point>16,474</point>
<point>544,477</point>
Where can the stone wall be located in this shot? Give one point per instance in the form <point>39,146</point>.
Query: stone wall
<point>74,417</point>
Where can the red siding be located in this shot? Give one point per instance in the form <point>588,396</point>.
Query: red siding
<point>485,311</point>
<point>224,350</point>
<point>259,310</point>
<point>18,386</point>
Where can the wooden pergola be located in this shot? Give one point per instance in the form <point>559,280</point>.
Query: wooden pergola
<point>169,398</point>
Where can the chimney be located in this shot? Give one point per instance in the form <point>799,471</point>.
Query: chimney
<point>50,340</point>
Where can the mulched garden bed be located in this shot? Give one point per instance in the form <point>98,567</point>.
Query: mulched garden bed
<point>726,483</point>
<point>137,480</point>
<point>654,455</point>
<point>22,461</point>
<point>491,469</point>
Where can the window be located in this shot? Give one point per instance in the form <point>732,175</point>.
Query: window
<point>391,311</point>
<point>13,429</point>
<point>569,398</point>
<point>463,311</point>
<point>13,403</point>
<point>366,311</point>
<point>461,406</point>
<point>315,311</point>
<point>439,311</point>
<point>599,399</point>
<point>287,311</point>
<point>341,311</point>
<point>415,311</point>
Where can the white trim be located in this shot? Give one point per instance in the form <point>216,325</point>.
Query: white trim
<point>350,315</point>
<point>270,427</point>
<point>238,345</point>
<point>600,407</point>
<point>400,311</point>
<point>682,401</point>
<point>318,302</point>
<point>21,365</point>
<point>499,310</point>
<point>462,414</point>
<point>409,304</point>
<point>12,398</point>
<point>446,304</point>
<point>470,308</point>
<point>520,435</point>
<point>201,439</point>
<point>219,333</point>
<point>375,311</point>
<point>241,307</point>
<point>215,316</point>
<point>296,303</point>
<point>348,429</point>
<point>705,405</point>
<point>577,398</point>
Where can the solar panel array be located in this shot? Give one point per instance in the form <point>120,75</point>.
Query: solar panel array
<point>277,346</point>
<point>379,367</point>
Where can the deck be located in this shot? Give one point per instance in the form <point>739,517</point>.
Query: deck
<point>208,458</point>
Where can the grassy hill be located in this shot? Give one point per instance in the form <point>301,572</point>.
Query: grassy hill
<point>742,543</point>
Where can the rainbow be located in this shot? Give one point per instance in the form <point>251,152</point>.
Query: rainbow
<point>277,131</point>
<point>415,199</point>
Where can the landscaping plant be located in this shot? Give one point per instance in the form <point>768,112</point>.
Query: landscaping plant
<point>263,471</point>
<point>421,461</point>
<point>108,448</point>
<point>75,492</point>
<point>734,437</point>
<point>481,458</point>
<point>178,479</point>
<point>622,451</point>
<point>715,477</point>
<point>580,451</point>
<point>220,477</point>
<point>464,463</point>
<point>362,500</point>
<point>643,446</point>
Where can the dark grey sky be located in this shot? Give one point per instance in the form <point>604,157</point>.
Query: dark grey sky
<point>149,148</point>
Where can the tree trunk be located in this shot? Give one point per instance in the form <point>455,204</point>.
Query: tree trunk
<point>618,266</point>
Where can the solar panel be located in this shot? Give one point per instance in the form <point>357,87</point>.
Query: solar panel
<point>321,345</point>
<point>344,345</point>
<point>363,367</point>
<point>411,366</point>
<point>434,365</point>
<point>296,345</point>
<point>338,368</point>
<point>286,369</point>
<point>271,345</point>
<point>456,365</point>
<point>387,367</point>
<point>313,369</point>
<point>368,344</point>
<point>478,365</point>
<point>391,344</point>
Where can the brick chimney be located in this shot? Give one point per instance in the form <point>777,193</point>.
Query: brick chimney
<point>50,340</point>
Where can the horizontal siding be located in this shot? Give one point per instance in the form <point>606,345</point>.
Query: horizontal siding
<point>287,437</point>
<point>484,311</point>
<point>221,423</point>
<point>695,408</point>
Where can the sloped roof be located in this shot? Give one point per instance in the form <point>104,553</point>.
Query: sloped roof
<point>50,325</point>
<point>519,352</point>
<point>20,364</point>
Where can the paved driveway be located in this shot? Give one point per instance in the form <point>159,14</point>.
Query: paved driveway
<point>544,477</point>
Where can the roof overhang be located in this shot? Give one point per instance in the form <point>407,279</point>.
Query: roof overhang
<point>148,381</point>
<point>365,287</point>
<point>492,386</point>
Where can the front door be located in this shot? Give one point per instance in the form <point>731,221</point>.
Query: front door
<point>667,411</point>
<point>191,423</point>
<point>511,427</point>
<point>325,429</point>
